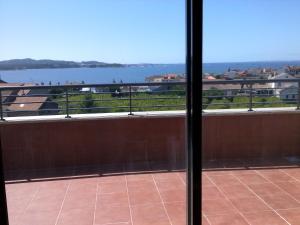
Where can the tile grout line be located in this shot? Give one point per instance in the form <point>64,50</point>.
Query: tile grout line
<point>182,180</point>
<point>261,199</point>
<point>161,200</point>
<point>290,175</point>
<point>96,201</point>
<point>239,212</point>
<point>209,223</point>
<point>280,187</point>
<point>118,223</point>
<point>31,200</point>
<point>62,204</point>
<point>129,204</point>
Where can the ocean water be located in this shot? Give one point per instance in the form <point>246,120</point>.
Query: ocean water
<point>218,68</point>
<point>126,74</point>
<point>90,75</point>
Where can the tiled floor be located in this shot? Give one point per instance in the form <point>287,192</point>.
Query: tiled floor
<point>139,199</point>
<point>268,195</point>
<point>255,196</point>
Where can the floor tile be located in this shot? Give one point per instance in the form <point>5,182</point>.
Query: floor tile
<point>76,216</point>
<point>280,201</point>
<point>206,182</point>
<point>204,221</point>
<point>113,198</point>
<point>265,218</point>
<point>211,192</point>
<point>292,188</point>
<point>38,218</point>
<point>251,178</point>
<point>227,219</point>
<point>140,197</point>
<point>224,180</point>
<point>249,204</point>
<point>170,184</point>
<point>112,187</point>
<point>276,176</point>
<point>217,206</point>
<point>139,177</point>
<point>236,191</point>
<point>110,214</point>
<point>291,215</point>
<point>149,214</point>
<point>265,189</point>
<point>177,213</point>
<point>80,200</point>
<point>173,195</point>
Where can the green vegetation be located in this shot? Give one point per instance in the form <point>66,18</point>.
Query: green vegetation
<point>107,102</point>
<point>114,100</point>
<point>243,102</point>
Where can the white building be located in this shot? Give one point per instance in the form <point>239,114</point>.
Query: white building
<point>88,89</point>
<point>279,86</point>
<point>289,93</point>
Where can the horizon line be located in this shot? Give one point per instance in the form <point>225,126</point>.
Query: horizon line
<point>91,60</point>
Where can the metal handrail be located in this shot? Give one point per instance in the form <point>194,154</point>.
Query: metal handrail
<point>90,85</point>
<point>64,98</point>
<point>128,95</point>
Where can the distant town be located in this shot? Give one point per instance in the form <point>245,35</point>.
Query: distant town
<point>48,101</point>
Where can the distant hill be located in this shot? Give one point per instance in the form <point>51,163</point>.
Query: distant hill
<point>19,64</point>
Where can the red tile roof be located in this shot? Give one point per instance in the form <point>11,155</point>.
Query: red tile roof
<point>27,103</point>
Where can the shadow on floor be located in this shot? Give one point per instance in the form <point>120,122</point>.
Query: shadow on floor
<point>89,171</point>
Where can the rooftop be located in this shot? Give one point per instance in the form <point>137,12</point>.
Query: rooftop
<point>27,103</point>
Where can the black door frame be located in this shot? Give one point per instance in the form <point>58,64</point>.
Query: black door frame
<point>194,30</point>
<point>3,202</point>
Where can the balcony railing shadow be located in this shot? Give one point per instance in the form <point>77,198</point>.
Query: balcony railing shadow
<point>90,171</point>
<point>252,164</point>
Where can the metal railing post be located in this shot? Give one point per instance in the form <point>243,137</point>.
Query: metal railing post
<point>130,101</point>
<point>298,97</point>
<point>67,104</point>
<point>251,99</point>
<point>1,107</point>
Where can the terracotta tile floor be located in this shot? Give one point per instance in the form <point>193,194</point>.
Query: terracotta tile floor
<point>262,196</point>
<point>232,193</point>
<point>140,199</point>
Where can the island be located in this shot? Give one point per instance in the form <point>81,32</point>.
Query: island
<point>20,64</point>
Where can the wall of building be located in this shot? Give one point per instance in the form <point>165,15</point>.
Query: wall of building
<point>71,142</point>
<point>251,135</point>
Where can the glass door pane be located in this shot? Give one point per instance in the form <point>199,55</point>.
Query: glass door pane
<point>94,130</point>
<point>250,128</point>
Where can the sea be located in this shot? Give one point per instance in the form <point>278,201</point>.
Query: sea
<point>131,74</point>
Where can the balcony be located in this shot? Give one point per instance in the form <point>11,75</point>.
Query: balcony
<point>118,169</point>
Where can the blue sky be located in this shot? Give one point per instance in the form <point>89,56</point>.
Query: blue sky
<point>251,30</point>
<point>147,31</point>
<point>125,31</point>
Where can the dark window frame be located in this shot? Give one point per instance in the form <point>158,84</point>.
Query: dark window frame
<point>194,39</point>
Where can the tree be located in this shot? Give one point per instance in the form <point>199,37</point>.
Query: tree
<point>213,93</point>
<point>56,92</point>
<point>88,103</point>
<point>115,90</point>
